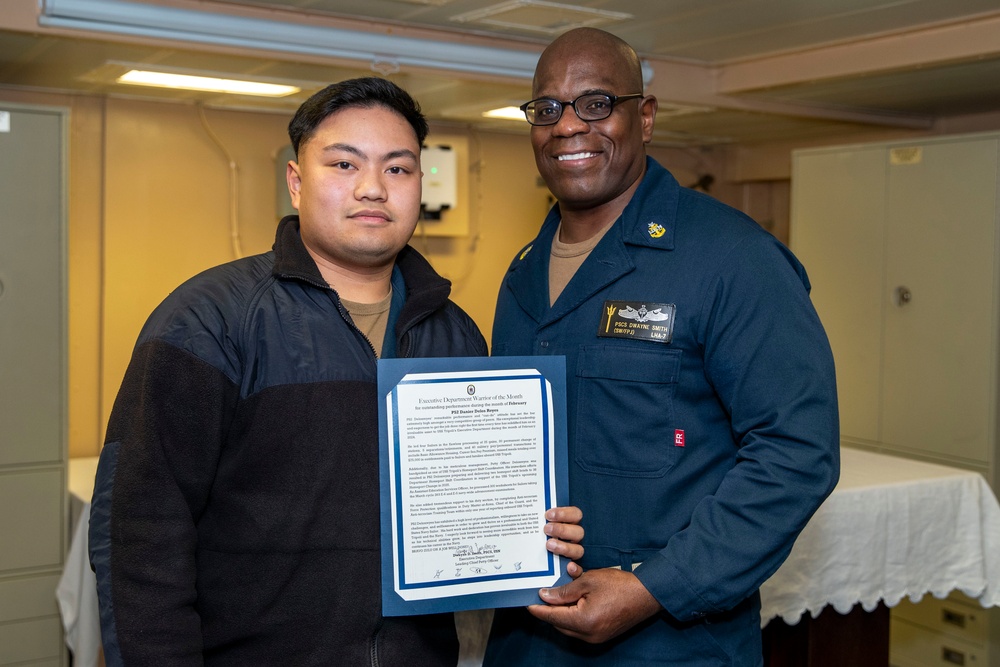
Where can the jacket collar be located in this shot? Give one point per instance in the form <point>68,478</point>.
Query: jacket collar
<point>291,259</point>
<point>426,291</point>
<point>649,220</point>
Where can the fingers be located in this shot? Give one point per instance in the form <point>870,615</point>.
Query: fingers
<point>568,514</point>
<point>596,607</point>
<point>565,549</point>
<point>562,619</point>
<point>574,570</point>
<point>568,532</point>
<point>562,595</point>
<point>565,530</point>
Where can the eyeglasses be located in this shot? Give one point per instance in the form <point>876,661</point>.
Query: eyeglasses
<point>588,107</point>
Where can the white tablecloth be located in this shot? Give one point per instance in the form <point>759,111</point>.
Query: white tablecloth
<point>892,528</point>
<point>77,589</point>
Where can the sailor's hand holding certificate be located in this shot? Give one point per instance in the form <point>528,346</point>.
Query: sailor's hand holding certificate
<point>472,454</point>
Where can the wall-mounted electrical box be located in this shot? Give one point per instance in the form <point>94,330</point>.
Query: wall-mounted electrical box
<point>440,183</point>
<point>447,191</point>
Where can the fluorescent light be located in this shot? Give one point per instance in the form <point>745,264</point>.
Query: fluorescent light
<point>188,82</point>
<point>507,113</point>
<point>143,19</point>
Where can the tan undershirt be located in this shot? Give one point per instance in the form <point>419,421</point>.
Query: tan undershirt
<point>566,258</point>
<point>371,319</point>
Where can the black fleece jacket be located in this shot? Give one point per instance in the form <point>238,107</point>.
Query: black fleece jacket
<point>236,511</point>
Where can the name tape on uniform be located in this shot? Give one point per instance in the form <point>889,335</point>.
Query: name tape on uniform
<point>638,320</point>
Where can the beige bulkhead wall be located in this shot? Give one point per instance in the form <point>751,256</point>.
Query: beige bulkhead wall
<point>151,204</point>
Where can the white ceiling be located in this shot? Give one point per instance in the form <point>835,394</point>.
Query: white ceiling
<point>725,71</point>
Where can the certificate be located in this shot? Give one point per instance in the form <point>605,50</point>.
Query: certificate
<point>472,453</point>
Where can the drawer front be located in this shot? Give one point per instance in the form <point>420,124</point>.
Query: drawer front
<point>31,641</point>
<point>28,597</point>
<point>32,522</point>
<point>951,617</point>
<point>914,646</point>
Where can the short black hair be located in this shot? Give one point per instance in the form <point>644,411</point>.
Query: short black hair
<point>366,92</point>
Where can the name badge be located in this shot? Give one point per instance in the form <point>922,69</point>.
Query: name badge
<point>638,320</point>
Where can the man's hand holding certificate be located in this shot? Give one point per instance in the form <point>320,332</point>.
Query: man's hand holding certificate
<point>472,455</point>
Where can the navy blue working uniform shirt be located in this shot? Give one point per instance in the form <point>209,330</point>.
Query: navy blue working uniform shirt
<point>703,425</point>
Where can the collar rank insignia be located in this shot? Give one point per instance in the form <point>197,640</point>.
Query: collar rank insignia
<point>656,230</point>
<point>638,320</point>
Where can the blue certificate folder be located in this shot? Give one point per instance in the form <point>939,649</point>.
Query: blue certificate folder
<point>472,451</point>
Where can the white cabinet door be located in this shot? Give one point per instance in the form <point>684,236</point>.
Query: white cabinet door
<point>939,356</point>
<point>32,322</point>
<point>837,232</point>
<point>900,242</point>
<point>32,384</point>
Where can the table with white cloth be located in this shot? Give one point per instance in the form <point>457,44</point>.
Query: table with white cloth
<point>892,528</point>
<point>77,589</point>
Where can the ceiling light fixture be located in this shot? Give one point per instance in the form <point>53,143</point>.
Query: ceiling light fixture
<point>204,83</point>
<point>143,19</point>
<point>507,113</point>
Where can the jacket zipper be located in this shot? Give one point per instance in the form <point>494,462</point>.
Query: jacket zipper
<point>401,351</point>
<point>347,320</point>
<point>373,640</point>
<point>340,306</point>
<point>373,644</point>
<point>400,348</point>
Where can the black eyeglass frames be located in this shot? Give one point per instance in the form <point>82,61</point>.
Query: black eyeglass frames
<point>588,107</point>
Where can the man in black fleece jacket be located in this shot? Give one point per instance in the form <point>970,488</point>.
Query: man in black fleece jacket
<point>235,516</point>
